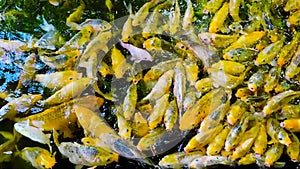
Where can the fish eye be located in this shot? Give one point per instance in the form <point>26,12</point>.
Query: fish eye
<point>280,138</point>
<point>181,46</point>
<point>71,78</point>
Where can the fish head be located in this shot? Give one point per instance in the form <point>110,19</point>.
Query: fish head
<point>88,141</point>
<point>45,159</point>
<point>252,87</point>
<point>287,125</point>
<point>169,161</point>
<point>284,138</point>
<point>231,120</point>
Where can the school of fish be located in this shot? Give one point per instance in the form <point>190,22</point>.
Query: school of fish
<point>235,83</point>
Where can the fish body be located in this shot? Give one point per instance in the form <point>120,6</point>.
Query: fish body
<point>147,142</point>
<point>267,55</point>
<point>58,79</point>
<point>79,40</point>
<point>179,159</point>
<point>137,54</point>
<point>174,19</point>
<point>89,58</point>
<point>28,71</point>
<point>291,124</point>
<point>140,125</point>
<point>75,16</point>
<point>213,6</point>
<point>204,85</point>
<point>229,67</point>
<point>119,64</point>
<point>68,92</point>
<point>203,138</point>
<point>98,25</point>
<point>289,111</point>
<point>273,154</point>
<point>272,79</point>
<point>240,54</point>
<point>161,87</point>
<point>179,89</point>
<point>214,117</point>
<point>236,133</point>
<point>87,155</point>
<point>188,17</point>
<point>246,40</point>
<point>142,13</point>
<point>193,116</point>
<point>191,71</point>
<point>59,117</point>
<point>261,141</point>
<point>193,145</point>
<point>124,126</point>
<point>222,79</point>
<point>217,40</point>
<point>152,23</point>
<point>293,149</point>
<point>219,18</point>
<point>247,159</point>
<point>157,70</point>
<point>216,145</point>
<point>243,92</point>
<point>171,115</point>
<point>246,142</point>
<point>130,101</point>
<point>31,132</point>
<point>291,5</point>
<point>236,111</point>
<point>127,27</point>
<point>190,99</point>
<point>96,127</point>
<point>276,102</point>
<point>293,19</point>
<point>159,109</point>
<point>256,81</point>
<point>293,68</point>
<point>277,133</point>
<point>18,105</point>
<point>207,161</point>
<point>288,51</point>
